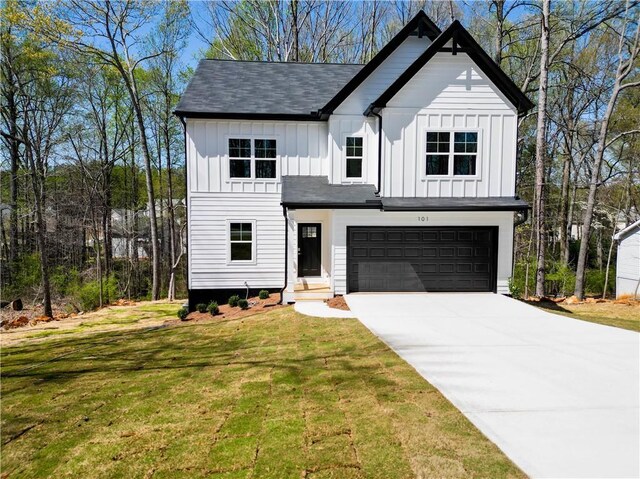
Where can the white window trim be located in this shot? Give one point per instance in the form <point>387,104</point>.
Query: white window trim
<point>423,152</point>
<point>253,179</point>
<point>254,238</point>
<point>343,152</point>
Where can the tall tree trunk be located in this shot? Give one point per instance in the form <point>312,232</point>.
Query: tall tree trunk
<point>296,32</point>
<point>127,72</point>
<point>10,93</point>
<point>37,183</point>
<point>541,147</point>
<point>499,39</point>
<point>172,219</point>
<point>564,208</point>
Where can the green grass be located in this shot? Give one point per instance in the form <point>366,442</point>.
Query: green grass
<point>274,395</point>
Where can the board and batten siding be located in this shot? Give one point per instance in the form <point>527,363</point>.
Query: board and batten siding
<point>449,93</point>
<point>209,266</point>
<point>628,264</point>
<point>383,76</point>
<point>301,148</point>
<point>341,127</point>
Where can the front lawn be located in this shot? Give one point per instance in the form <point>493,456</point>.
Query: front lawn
<point>625,315</point>
<point>275,395</point>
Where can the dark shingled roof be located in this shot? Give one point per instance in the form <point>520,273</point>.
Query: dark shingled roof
<point>316,192</point>
<point>496,203</point>
<point>228,89</point>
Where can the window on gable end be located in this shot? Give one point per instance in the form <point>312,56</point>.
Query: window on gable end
<point>438,146</point>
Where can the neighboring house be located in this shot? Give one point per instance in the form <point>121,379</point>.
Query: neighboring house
<point>628,262</point>
<point>397,175</point>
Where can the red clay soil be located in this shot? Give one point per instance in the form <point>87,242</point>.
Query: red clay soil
<point>256,305</point>
<point>338,302</point>
<point>30,315</point>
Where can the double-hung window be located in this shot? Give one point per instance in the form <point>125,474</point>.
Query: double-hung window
<point>354,156</point>
<point>252,158</point>
<point>451,153</point>
<point>241,241</point>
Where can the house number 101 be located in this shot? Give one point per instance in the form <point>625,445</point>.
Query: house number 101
<point>423,218</point>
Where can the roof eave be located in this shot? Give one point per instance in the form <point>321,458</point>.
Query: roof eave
<point>322,205</point>
<point>421,20</point>
<point>463,38</point>
<point>626,231</point>
<point>248,116</point>
<point>456,208</point>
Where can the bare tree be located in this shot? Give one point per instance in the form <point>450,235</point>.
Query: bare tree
<point>628,52</point>
<point>541,150</point>
<point>120,24</point>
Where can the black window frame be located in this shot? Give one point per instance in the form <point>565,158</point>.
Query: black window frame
<point>351,156</point>
<point>457,155</point>
<point>263,157</point>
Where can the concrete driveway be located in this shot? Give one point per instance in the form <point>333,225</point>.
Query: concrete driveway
<point>559,396</point>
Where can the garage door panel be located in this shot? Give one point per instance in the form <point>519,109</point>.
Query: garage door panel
<point>360,236</point>
<point>421,259</point>
<point>464,268</point>
<point>430,236</point>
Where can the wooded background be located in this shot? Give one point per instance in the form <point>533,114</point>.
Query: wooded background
<point>92,173</point>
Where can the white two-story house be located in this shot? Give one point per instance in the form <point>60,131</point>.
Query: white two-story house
<point>325,179</point>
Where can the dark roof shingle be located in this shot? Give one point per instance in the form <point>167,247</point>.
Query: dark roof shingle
<point>224,87</point>
<point>316,192</point>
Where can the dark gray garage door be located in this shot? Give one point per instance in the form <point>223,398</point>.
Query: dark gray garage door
<point>421,258</point>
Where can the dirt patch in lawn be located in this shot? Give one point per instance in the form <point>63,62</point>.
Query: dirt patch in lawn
<point>118,317</point>
<point>338,302</point>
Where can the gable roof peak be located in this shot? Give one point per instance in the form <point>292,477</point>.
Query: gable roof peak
<point>420,22</point>
<point>462,41</point>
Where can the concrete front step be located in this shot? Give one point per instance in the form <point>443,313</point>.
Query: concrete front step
<point>312,295</point>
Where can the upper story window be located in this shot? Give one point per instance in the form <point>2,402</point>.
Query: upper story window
<point>252,158</point>
<point>354,156</point>
<point>451,152</point>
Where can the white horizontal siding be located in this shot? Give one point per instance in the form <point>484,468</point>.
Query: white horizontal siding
<point>301,149</point>
<point>380,79</point>
<point>344,218</point>
<point>208,240</point>
<point>628,264</point>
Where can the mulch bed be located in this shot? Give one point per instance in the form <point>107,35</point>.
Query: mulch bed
<point>256,305</point>
<point>338,302</point>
